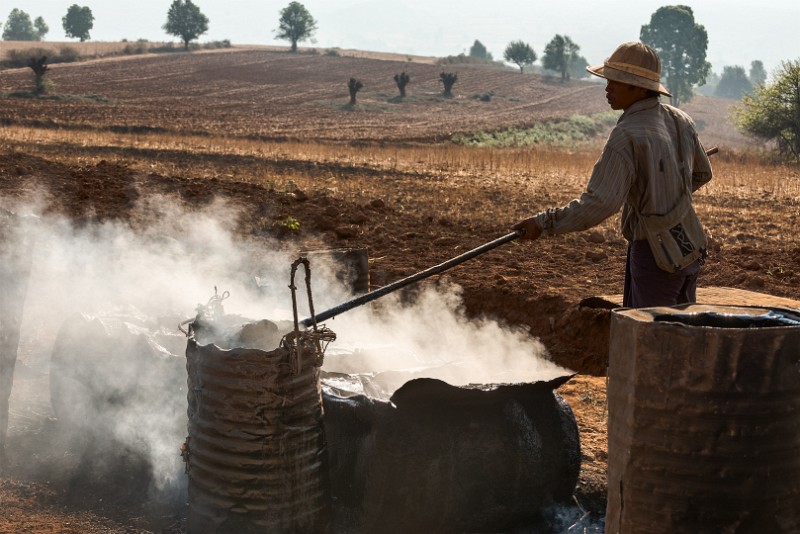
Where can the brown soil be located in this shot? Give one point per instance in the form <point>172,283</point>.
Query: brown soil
<point>403,221</point>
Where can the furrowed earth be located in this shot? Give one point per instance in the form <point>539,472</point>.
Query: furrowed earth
<point>271,134</point>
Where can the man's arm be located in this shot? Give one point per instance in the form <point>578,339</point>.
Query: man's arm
<point>701,168</point>
<point>605,193</point>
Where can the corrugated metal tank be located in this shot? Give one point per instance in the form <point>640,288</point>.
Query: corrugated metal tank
<point>704,420</point>
<point>255,453</point>
<point>16,249</point>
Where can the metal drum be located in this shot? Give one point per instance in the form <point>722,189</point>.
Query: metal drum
<point>255,450</point>
<point>255,454</point>
<point>704,420</point>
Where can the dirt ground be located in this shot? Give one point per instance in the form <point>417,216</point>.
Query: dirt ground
<point>406,216</point>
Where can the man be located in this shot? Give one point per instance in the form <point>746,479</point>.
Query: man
<point>641,166</point>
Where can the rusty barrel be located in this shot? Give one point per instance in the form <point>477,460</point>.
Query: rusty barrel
<point>255,454</point>
<point>704,420</point>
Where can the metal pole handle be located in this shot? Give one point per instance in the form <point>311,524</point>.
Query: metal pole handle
<point>394,286</point>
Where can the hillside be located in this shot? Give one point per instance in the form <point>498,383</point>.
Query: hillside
<point>270,94</point>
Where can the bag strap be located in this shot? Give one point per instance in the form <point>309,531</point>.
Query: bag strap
<point>686,186</point>
<point>686,183</point>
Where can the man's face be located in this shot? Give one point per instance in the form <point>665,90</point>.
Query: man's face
<point>622,95</point>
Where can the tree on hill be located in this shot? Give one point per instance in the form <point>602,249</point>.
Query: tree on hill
<point>710,85</point>
<point>185,20</point>
<point>18,27</point>
<point>578,68</point>
<point>560,54</point>
<point>733,83</point>
<point>757,73</point>
<point>519,53</point>
<point>772,112</point>
<point>78,22</point>
<point>478,51</point>
<point>354,86</point>
<point>39,67</point>
<point>681,44</point>
<point>296,24</point>
<point>402,80</point>
<point>41,28</point>
<point>449,79</point>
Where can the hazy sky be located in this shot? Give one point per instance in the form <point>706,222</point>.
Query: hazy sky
<point>739,31</point>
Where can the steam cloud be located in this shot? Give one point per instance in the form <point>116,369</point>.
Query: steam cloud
<point>161,272</point>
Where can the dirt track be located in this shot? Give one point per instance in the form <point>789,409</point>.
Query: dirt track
<point>405,217</point>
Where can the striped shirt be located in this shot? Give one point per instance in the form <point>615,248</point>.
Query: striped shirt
<point>640,166</point>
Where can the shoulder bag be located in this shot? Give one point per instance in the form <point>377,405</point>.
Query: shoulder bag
<point>677,239</point>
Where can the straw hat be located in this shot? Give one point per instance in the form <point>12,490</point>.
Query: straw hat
<point>633,63</point>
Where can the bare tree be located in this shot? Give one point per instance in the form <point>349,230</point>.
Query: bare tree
<point>402,80</point>
<point>354,86</point>
<point>39,67</point>
<point>449,80</point>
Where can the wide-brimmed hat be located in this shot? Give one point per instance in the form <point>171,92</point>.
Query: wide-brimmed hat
<point>633,63</point>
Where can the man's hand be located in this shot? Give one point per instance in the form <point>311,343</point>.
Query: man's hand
<point>531,227</point>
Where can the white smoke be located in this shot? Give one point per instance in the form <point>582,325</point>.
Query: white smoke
<point>433,337</point>
<point>133,288</point>
<point>146,280</point>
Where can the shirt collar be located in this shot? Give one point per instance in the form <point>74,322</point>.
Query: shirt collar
<point>640,105</point>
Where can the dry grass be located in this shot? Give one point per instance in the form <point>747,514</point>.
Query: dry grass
<point>748,196</point>
<point>562,173</point>
<point>88,49</point>
<point>452,160</point>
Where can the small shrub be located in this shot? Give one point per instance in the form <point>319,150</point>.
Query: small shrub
<point>484,97</point>
<point>289,223</point>
<point>213,45</point>
<point>463,59</point>
<point>67,54</point>
<point>167,48</point>
<point>132,49</point>
<point>332,52</point>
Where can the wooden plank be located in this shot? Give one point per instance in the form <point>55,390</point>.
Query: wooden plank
<point>724,296</point>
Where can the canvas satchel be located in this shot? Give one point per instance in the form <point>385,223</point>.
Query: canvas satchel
<point>677,239</point>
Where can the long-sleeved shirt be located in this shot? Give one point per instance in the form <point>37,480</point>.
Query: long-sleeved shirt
<point>639,167</point>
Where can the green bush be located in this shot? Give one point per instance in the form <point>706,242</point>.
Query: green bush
<point>562,132</point>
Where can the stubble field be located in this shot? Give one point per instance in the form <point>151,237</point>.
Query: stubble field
<point>272,134</point>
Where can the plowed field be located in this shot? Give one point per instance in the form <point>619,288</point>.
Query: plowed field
<point>272,134</point>
<point>274,95</point>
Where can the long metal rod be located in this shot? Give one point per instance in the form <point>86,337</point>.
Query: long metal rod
<point>385,290</point>
<point>394,286</point>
